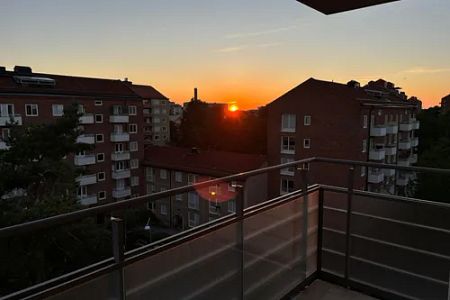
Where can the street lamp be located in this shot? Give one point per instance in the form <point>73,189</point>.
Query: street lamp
<point>149,229</point>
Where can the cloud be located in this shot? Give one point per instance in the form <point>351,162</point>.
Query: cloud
<point>424,70</point>
<point>259,33</point>
<point>232,49</point>
<point>268,45</point>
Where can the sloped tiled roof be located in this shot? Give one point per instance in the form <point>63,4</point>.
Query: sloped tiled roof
<point>147,92</point>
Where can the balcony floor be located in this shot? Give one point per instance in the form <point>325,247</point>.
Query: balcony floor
<point>322,290</point>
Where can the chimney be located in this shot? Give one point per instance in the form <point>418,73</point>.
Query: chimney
<point>195,94</point>
<point>353,84</point>
<point>22,70</point>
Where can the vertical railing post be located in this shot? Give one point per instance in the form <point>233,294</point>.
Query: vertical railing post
<point>320,231</point>
<point>351,172</point>
<point>304,243</point>
<point>118,251</point>
<point>240,236</point>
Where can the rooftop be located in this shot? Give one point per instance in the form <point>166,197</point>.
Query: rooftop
<point>147,92</point>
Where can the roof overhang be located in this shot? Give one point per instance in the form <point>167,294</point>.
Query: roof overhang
<point>336,6</point>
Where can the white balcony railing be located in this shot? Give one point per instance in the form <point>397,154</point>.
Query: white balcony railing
<point>87,179</point>
<point>121,193</point>
<point>120,156</point>
<point>377,154</point>
<point>119,119</point>
<point>86,139</point>
<point>87,119</point>
<point>406,126</point>
<point>377,131</point>
<point>8,119</point>
<point>120,137</point>
<point>88,200</point>
<point>404,145</point>
<point>390,150</point>
<point>392,129</point>
<point>122,174</point>
<point>376,177</point>
<point>84,160</point>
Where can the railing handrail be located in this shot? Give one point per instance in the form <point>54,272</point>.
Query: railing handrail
<point>133,202</point>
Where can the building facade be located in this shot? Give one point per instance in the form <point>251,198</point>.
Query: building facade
<point>156,110</point>
<point>326,119</point>
<point>110,121</point>
<point>445,104</point>
<point>172,167</point>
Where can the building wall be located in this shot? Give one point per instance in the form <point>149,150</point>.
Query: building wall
<point>106,128</point>
<point>157,121</point>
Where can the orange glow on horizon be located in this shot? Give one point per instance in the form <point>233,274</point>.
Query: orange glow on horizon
<point>232,107</point>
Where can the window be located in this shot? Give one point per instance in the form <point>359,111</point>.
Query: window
<point>288,123</point>
<point>6,110</point>
<point>306,166</point>
<point>365,121</point>
<point>156,111</point>
<point>307,143</point>
<point>100,157</point>
<point>150,174</point>
<point>307,120</point>
<point>194,219</point>
<point>101,195</point>
<point>156,137</point>
<point>31,110</point>
<point>179,197</point>
<point>117,110</point>
<point>287,171</point>
<point>232,186</point>
<point>101,176</point>
<point>98,102</point>
<point>134,163</point>
<point>193,202</point>
<point>118,128</point>
<point>82,191</point>
<point>6,132</point>
<point>98,118</point>
<point>155,102</point>
<point>133,146</point>
<point>151,205</point>
<point>364,145</point>
<point>363,171</point>
<point>163,209</point>
<point>118,148</point>
<point>163,174</point>
<point>192,178</point>
<point>214,207</point>
<point>288,145</point>
<point>156,120</point>
<point>81,109</point>
<point>287,186</point>
<point>132,128</point>
<point>132,110</point>
<point>150,188</point>
<point>99,138</point>
<point>232,206</point>
<point>119,166</point>
<point>178,176</point>
<point>134,181</point>
<point>57,110</point>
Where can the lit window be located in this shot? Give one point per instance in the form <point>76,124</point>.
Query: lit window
<point>132,128</point>
<point>133,146</point>
<point>101,176</point>
<point>288,122</point>
<point>98,118</point>
<point>307,143</point>
<point>163,174</point>
<point>178,176</point>
<point>57,110</point>
<point>288,145</point>
<point>31,110</point>
<point>99,138</point>
<point>307,120</point>
<point>287,186</point>
<point>132,110</point>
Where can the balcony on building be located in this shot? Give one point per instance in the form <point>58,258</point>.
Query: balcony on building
<point>415,142</point>
<point>388,172</point>
<point>392,128</point>
<point>378,131</point>
<point>406,126</point>
<point>121,174</point>
<point>416,125</point>
<point>120,156</point>
<point>404,144</point>
<point>377,154</point>
<point>122,118</point>
<point>84,160</point>
<point>404,161</point>
<point>87,179</point>
<point>120,137</point>
<point>87,119</point>
<point>16,118</point>
<point>3,145</point>
<point>334,240</point>
<point>88,200</point>
<point>121,193</point>
<point>86,139</point>
<point>391,149</point>
<point>376,176</point>
<point>413,158</point>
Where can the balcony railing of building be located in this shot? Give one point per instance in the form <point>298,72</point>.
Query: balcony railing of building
<point>388,246</point>
<point>14,118</point>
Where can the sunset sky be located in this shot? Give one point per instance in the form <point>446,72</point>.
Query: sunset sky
<point>248,51</point>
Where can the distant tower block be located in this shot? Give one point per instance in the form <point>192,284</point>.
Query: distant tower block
<point>332,7</point>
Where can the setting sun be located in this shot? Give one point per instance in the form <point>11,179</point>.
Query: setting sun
<point>233,107</point>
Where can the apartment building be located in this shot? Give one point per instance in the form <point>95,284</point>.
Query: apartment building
<point>445,104</point>
<point>318,118</point>
<point>112,114</point>
<point>170,167</point>
<point>156,109</point>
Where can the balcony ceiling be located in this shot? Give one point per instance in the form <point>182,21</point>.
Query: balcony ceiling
<point>331,7</point>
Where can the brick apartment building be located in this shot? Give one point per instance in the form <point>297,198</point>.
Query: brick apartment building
<point>318,118</point>
<point>156,114</point>
<point>111,120</point>
<point>171,167</point>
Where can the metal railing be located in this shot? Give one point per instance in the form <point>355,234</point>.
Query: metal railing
<point>273,248</point>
